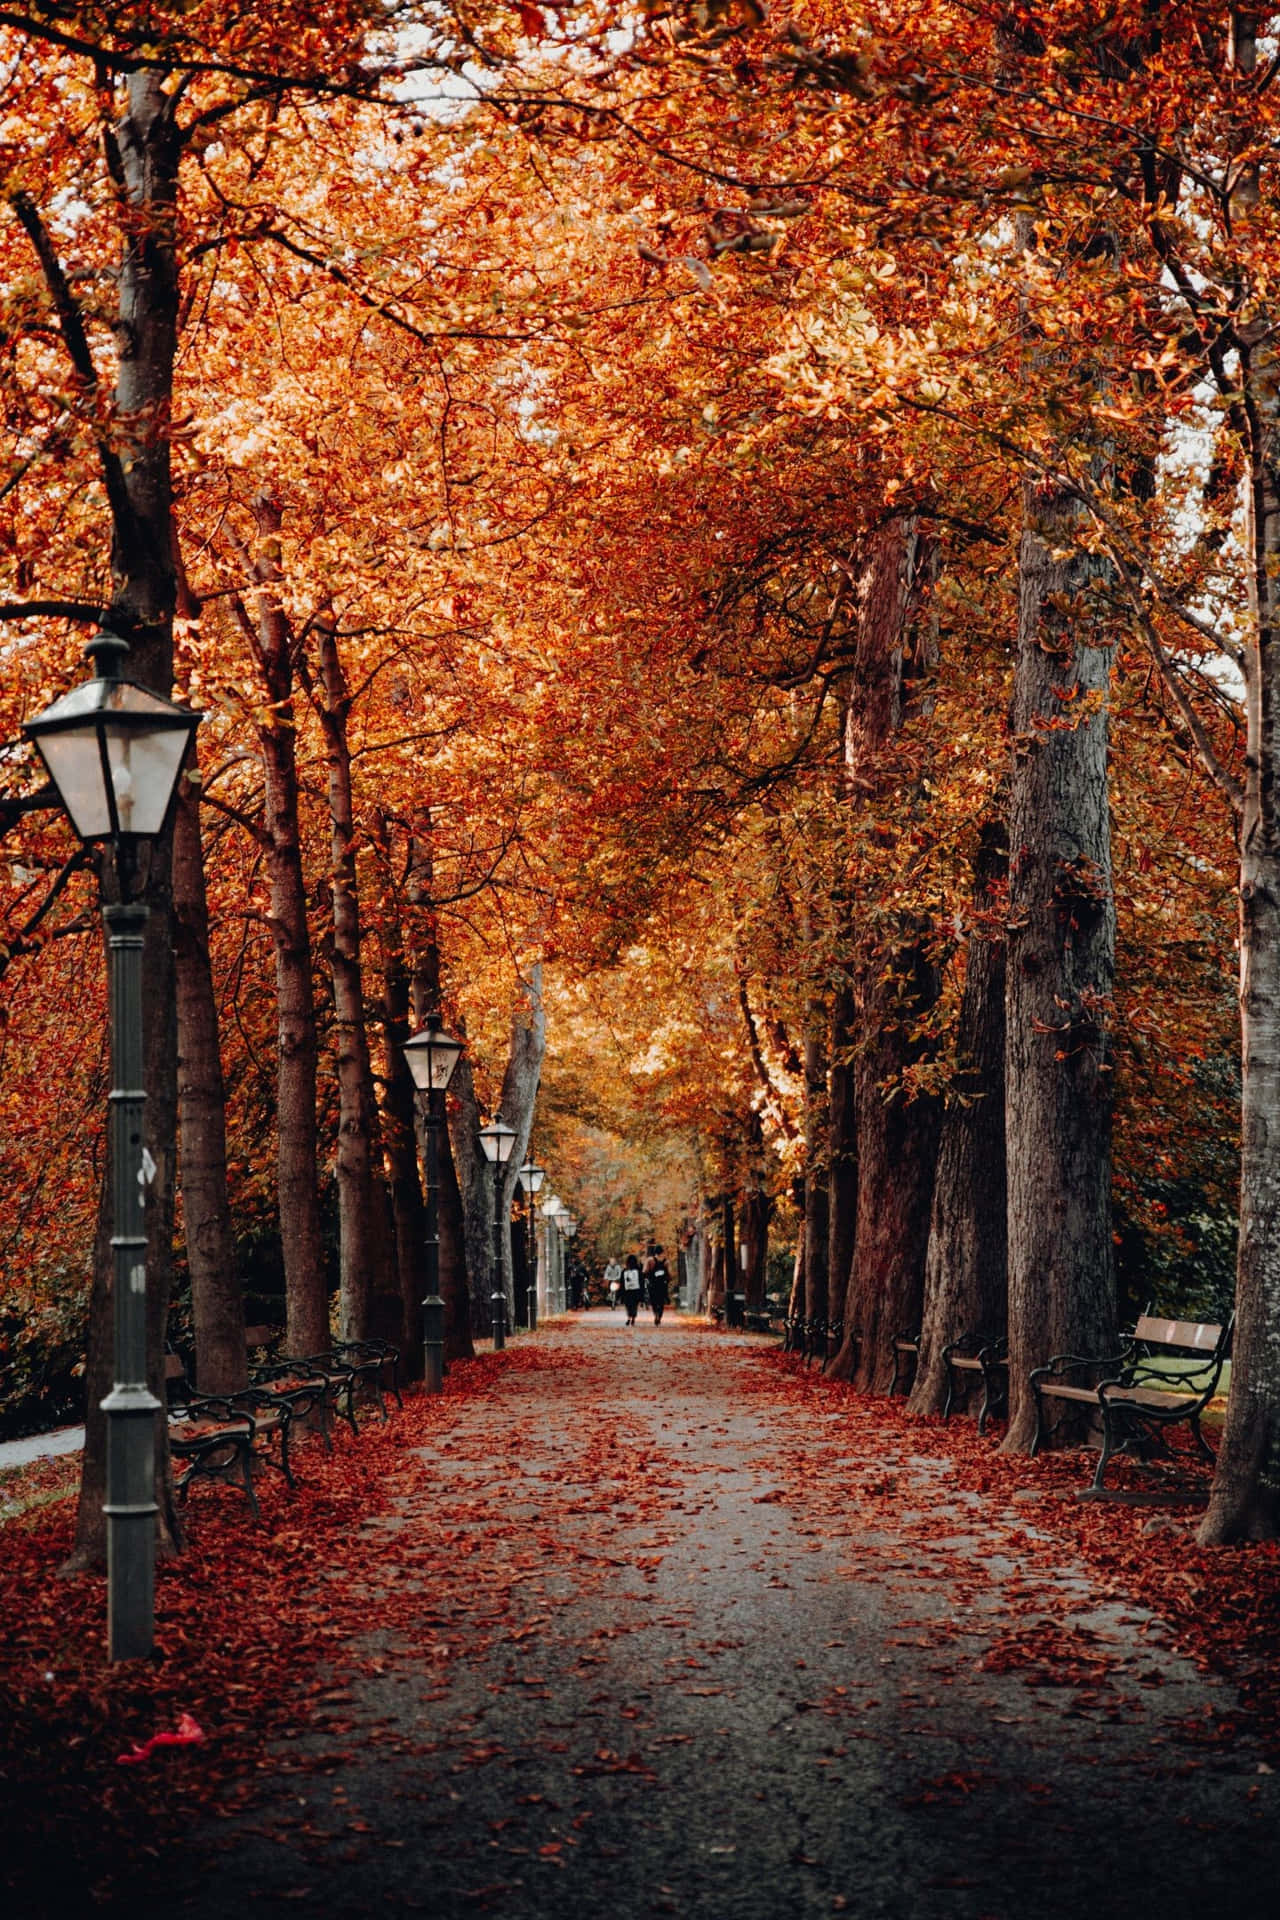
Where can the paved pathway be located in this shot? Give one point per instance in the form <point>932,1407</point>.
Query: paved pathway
<point>40,1446</point>
<point>688,1643</point>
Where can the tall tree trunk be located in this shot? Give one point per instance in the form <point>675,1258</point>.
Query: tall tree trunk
<point>217,1294</point>
<point>136,469</point>
<point>369,1303</point>
<point>427,997</point>
<point>755,1217</point>
<point>897,1136</point>
<point>897,1156</point>
<point>965,1276</point>
<point>1245,1503</point>
<point>399,1114</point>
<point>520,1085</point>
<point>297,1185</point>
<point>1061,961</point>
<point>817,1302</point>
<point>842,1150</point>
<point>475,1190</point>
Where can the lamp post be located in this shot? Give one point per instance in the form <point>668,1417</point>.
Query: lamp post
<point>560,1215</point>
<point>498,1141</point>
<point>432,1056</point>
<point>550,1208</point>
<point>531,1178</point>
<point>569,1227</point>
<point>113,751</point>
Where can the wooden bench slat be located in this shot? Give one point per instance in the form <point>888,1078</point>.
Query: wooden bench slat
<point>1201,1336</point>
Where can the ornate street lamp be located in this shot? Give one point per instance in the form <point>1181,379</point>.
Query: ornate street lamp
<point>531,1178</point>
<point>113,751</point>
<point>498,1141</point>
<point>431,1057</point>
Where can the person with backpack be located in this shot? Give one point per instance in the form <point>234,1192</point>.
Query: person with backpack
<point>631,1288</point>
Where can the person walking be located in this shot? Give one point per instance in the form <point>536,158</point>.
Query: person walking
<point>613,1281</point>
<point>658,1285</point>
<point>631,1288</point>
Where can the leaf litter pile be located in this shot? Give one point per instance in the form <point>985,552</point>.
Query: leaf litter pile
<point>267,1634</point>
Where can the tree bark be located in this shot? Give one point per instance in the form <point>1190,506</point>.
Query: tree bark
<point>427,993</point>
<point>1061,960</point>
<point>755,1217</point>
<point>217,1294</point>
<point>136,464</point>
<point>897,983</point>
<point>369,1302</point>
<point>842,1150</point>
<point>1245,1502</point>
<point>817,1302</point>
<point>400,1115</point>
<point>297,1185</point>
<point>520,1085</point>
<point>965,1275</point>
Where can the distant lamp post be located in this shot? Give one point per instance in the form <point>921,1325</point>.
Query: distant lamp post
<point>531,1179</point>
<point>550,1209</point>
<point>431,1057</point>
<point>569,1227</point>
<point>498,1141</point>
<point>114,751</point>
<point>560,1215</point>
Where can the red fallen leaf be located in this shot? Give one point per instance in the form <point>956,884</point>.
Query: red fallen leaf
<point>187,1734</point>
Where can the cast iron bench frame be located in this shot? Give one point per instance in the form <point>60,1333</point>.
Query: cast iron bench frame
<point>974,1356</point>
<point>1134,1396</point>
<point>906,1357</point>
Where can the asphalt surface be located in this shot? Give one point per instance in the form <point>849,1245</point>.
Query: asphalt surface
<point>714,1651</point>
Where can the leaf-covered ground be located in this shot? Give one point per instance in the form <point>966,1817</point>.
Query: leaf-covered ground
<point>633,1623</point>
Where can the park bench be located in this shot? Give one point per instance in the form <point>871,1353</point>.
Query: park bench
<point>906,1354</point>
<point>307,1391</point>
<point>972,1359</point>
<point>221,1436</point>
<point>820,1339</point>
<point>1166,1373</point>
<point>371,1367</point>
<point>765,1318</point>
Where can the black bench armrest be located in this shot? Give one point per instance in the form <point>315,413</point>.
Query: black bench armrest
<point>1061,1363</point>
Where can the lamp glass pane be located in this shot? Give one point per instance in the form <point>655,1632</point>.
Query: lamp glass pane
<point>498,1140</point>
<point>432,1056</point>
<point>76,771</point>
<point>144,771</point>
<point>532,1177</point>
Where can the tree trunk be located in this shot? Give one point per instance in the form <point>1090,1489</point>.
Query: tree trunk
<point>1061,960</point>
<point>755,1218</point>
<point>427,997</point>
<point>217,1295</point>
<point>897,1136</point>
<point>817,1304</point>
<point>965,1276</point>
<point>399,1115</point>
<point>842,1151</point>
<point>897,1156</point>
<point>520,1085</point>
<point>1245,1503</point>
<point>475,1192</point>
<point>369,1303</point>
<point>297,1186</point>
<point>138,483</point>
